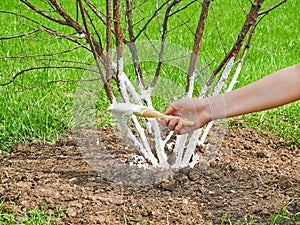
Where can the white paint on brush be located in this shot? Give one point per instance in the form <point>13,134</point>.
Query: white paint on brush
<point>121,108</point>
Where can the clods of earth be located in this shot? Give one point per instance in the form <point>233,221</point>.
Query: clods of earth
<point>252,175</point>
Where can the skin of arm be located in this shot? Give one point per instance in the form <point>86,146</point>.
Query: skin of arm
<point>274,90</point>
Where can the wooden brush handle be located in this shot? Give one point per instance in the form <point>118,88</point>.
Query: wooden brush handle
<point>152,113</point>
<point>183,121</point>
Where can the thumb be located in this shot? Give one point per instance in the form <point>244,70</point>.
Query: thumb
<point>171,111</point>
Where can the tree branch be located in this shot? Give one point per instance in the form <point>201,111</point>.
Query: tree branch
<point>108,61</point>
<point>70,38</point>
<point>149,20</point>
<point>71,22</point>
<point>129,20</point>
<point>196,47</point>
<point>35,9</point>
<point>132,47</point>
<point>107,85</point>
<point>163,42</point>
<point>250,20</point>
<point>68,20</point>
<point>95,11</point>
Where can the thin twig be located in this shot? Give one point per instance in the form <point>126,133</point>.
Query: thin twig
<point>219,33</point>
<point>42,67</point>
<point>70,38</point>
<point>184,23</point>
<point>95,29</point>
<point>54,81</point>
<point>149,20</point>
<point>183,8</point>
<point>158,17</point>
<point>19,35</point>
<point>96,11</point>
<point>65,61</point>
<point>44,28</point>
<point>42,55</point>
<point>274,7</point>
<point>25,17</point>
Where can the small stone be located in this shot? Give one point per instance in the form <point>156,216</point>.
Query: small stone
<point>237,122</point>
<point>202,164</point>
<point>36,142</point>
<point>182,178</point>
<point>168,184</point>
<point>91,179</point>
<point>264,154</point>
<point>73,179</point>
<point>76,204</point>
<point>71,212</point>
<point>185,201</point>
<point>194,175</point>
<point>247,146</point>
<point>202,182</point>
<point>114,201</point>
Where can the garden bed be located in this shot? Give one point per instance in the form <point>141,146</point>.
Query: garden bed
<point>253,174</point>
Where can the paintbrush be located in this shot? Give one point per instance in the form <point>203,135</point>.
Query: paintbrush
<point>139,110</point>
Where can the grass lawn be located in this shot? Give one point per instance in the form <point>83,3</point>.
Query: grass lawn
<point>45,112</point>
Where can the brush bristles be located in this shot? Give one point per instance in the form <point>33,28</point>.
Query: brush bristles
<point>151,113</point>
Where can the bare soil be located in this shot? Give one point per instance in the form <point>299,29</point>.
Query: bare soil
<point>253,174</point>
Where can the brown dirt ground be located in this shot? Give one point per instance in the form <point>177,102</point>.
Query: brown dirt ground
<point>252,175</point>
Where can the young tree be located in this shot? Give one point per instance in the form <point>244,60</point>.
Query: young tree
<point>117,31</point>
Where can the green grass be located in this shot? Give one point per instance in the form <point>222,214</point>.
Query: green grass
<point>275,47</point>
<point>282,217</point>
<point>30,217</point>
<point>45,112</point>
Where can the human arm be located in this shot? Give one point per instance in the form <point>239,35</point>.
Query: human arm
<point>276,89</point>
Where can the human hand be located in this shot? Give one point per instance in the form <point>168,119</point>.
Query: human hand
<point>194,109</point>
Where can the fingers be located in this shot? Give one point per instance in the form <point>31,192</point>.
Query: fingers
<point>185,109</point>
<point>178,128</point>
<point>173,124</point>
<point>172,111</point>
